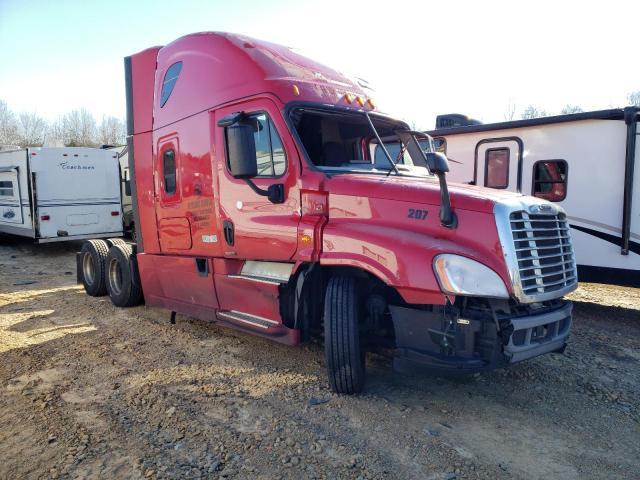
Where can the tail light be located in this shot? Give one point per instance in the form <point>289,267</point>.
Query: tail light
<point>44,218</point>
<point>115,214</point>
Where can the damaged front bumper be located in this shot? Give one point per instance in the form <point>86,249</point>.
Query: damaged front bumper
<point>479,334</point>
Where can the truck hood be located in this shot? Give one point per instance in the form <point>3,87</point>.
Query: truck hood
<point>418,190</point>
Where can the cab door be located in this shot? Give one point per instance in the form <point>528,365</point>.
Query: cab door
<point>174,230</point>
<point>253,227</point>
<point>498,163</point>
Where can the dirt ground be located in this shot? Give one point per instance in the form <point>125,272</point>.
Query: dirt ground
<point>92,391</point>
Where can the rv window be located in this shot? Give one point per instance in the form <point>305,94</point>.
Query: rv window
<point>272,161</point>
<point>440,144</point>
<point>550,180</point>
<point>170,79</point>
<point>169,171</point>
<point>6,189</point>
<point>496,168</point>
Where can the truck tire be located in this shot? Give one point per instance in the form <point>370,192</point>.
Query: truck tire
<point>94,254</point>
<point>115,241</point>
<point>344,357</point>
<point>123,289</point>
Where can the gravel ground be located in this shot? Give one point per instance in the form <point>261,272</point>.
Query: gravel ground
<point>93,391</point>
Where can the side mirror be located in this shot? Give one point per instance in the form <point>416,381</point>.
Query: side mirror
<point>437,162</point>
<point>243,161</point>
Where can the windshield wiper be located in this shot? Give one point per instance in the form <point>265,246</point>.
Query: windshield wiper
<point>384,149</point>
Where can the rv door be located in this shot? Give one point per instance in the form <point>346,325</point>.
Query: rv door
<point>10,208</point>
<point>498,163</point>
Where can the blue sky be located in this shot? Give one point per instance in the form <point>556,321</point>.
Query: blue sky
<point>422,58</point>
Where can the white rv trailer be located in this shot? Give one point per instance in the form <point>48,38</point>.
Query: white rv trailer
<point>583,161</point>
<point>57,194</point>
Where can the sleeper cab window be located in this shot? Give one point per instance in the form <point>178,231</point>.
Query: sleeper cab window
<point>270,155</point>
<point>497,168</point>
<point>550,180</point>
<point>169,171</point>
<point>170,79</point>
<point>6,188</point>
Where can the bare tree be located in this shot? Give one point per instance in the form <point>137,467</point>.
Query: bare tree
<point>8,125</point>
<point>55,133</point>
<point>79,129</point>
<point>31,129</point>
<point>111,131</point>
<point>511,111</point>
<point>634,98</point>
<point>533,112</point>
<point>568,108</point>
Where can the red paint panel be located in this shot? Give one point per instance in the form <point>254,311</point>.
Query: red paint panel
<point>176,279</point>
<point>143,69</point>
<point>248,296</point>
<point>175,234</point>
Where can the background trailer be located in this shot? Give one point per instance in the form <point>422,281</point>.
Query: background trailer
<point>57,194</point>
<point>585,162</point>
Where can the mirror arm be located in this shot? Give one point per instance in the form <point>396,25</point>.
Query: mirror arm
<point>275,192</point>
<point>448,217</point>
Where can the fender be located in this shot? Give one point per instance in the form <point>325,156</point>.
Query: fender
<point>401,259</point>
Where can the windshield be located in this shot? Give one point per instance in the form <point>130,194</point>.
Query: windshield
<point>343,141</point>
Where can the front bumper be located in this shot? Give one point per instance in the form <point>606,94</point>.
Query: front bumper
<point>474,339</point>
<point>539,334</point>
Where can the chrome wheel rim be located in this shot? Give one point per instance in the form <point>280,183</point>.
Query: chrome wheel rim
<point>88,269</point>
<point>115,276</point>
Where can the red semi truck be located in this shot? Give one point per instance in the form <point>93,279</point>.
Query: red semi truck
<point>271,196</point>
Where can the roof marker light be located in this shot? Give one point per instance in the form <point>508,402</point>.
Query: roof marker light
<point>296,90</point>
<point>348,97</point>
<point>371,103</point>
<point>360,101</point>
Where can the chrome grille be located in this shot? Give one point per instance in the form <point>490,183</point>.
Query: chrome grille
<point>544,252</point>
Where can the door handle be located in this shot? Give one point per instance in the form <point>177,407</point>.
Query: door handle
<point>227,227</point>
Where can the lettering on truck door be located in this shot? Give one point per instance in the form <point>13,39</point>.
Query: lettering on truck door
<point>254,228</point>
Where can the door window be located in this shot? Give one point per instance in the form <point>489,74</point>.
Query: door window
<point>272,161</point>
<point>550,180</point>
<point>496,166</point>
<point>169,171</point>
<point>6,188</point>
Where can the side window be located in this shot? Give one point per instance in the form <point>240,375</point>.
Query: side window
<point>496,173</point>
<point>169,171</point>
<point>272,161</point>
<point>170,79</point>
<point>6,188</point>
<point>550,180</point>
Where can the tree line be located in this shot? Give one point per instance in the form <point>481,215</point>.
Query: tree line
<point>76,128</point>
<point>535,112</point>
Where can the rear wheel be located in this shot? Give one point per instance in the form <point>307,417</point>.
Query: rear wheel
<point>124,290</point>
<point>343,353</point>
<point>94,254</point>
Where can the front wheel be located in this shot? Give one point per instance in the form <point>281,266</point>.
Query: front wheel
<point>344,357</point>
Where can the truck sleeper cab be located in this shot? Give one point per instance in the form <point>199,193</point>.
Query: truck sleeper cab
<point>267,200</point>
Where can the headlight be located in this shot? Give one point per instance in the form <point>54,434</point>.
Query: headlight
<point>462,276</point>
